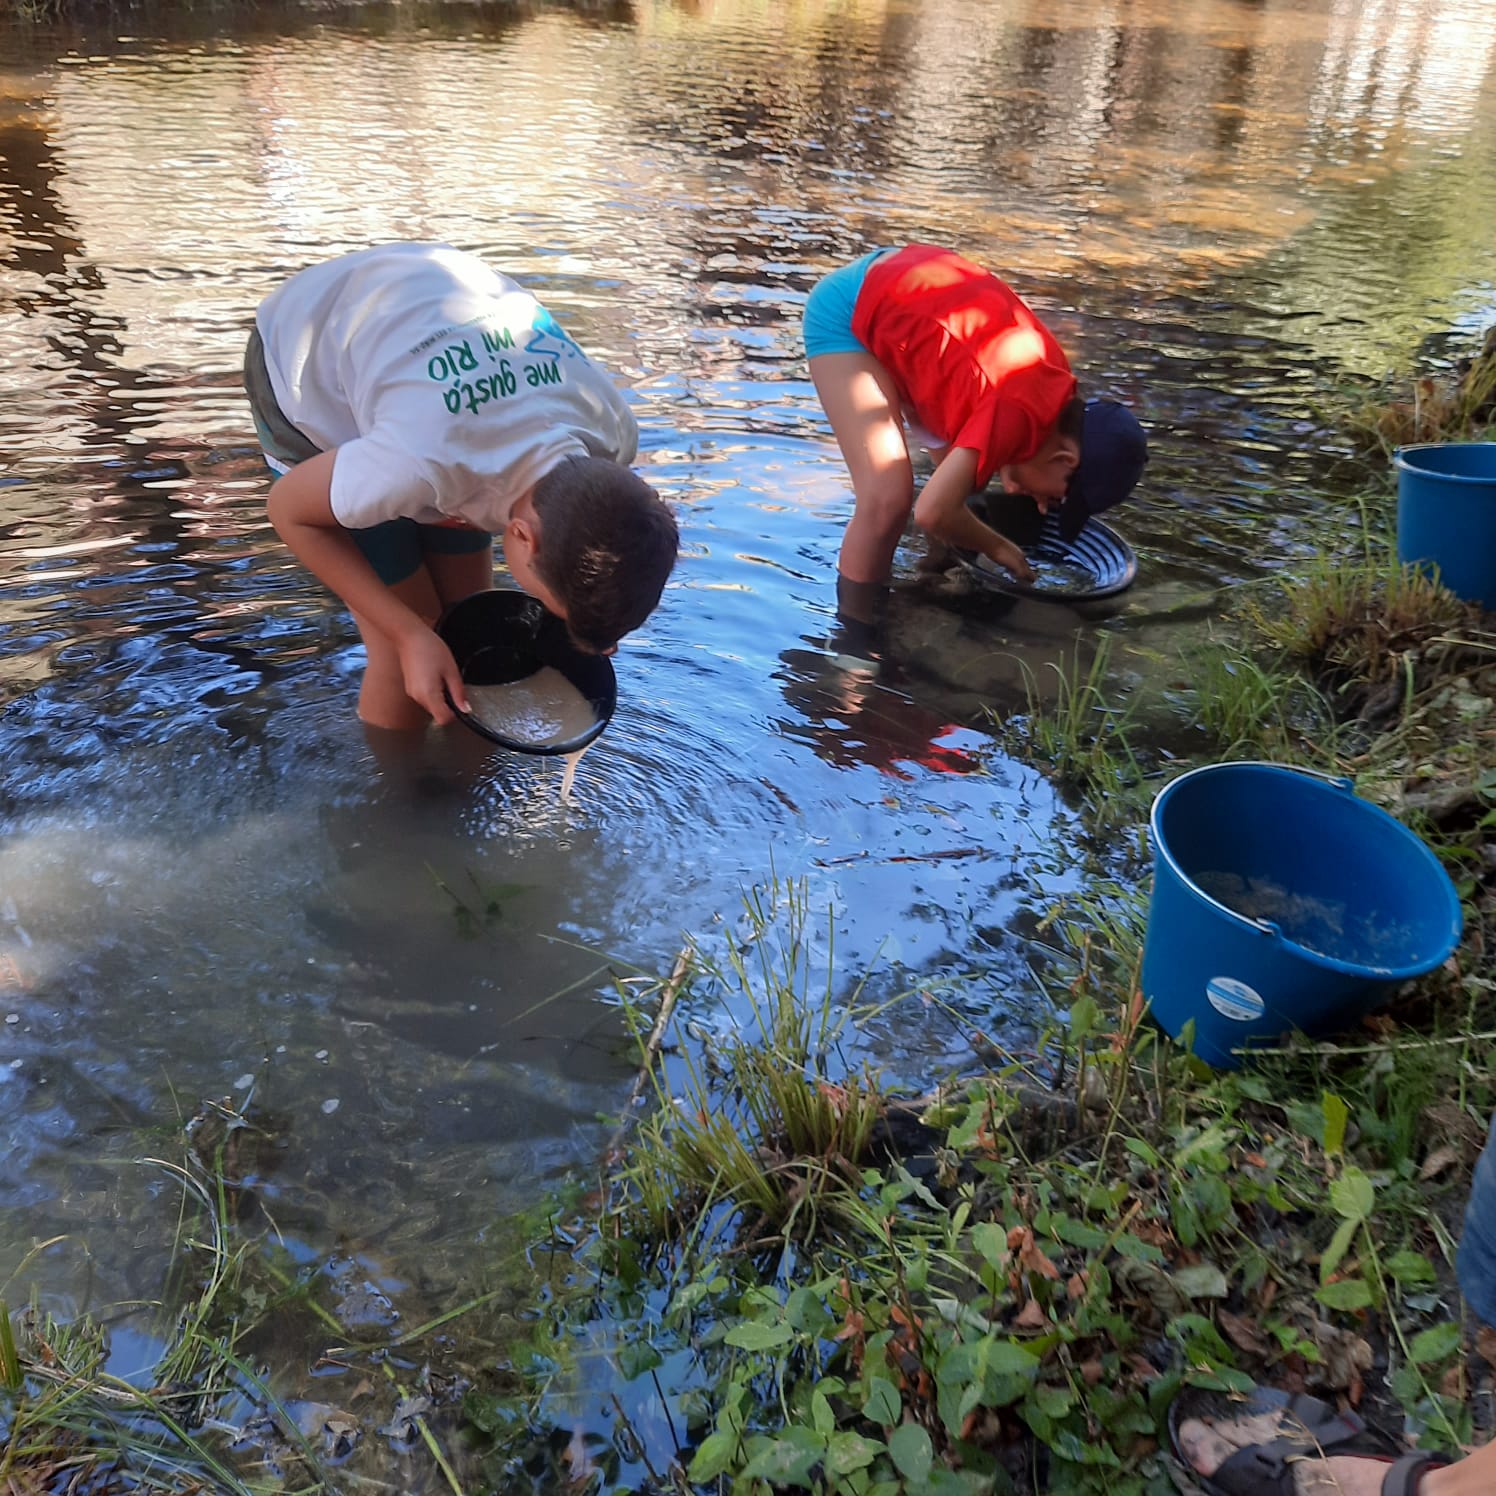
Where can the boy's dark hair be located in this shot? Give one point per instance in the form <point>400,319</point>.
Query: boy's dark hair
<point>607,544</point>
<point>1072,418</point>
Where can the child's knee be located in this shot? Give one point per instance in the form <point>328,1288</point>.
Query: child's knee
<point>885,508</point>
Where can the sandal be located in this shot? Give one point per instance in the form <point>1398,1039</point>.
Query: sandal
<point>1312,1429</point>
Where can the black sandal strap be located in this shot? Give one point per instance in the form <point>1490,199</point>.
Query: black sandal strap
<point>1260,1470</point>
<point>1405,1475</point>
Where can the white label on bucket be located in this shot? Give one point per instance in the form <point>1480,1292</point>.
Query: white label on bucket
<point>1233,999</point>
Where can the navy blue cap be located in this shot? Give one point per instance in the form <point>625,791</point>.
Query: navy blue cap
<point>1113,453</point>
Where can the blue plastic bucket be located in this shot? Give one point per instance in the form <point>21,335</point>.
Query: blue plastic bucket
<point>1283,901</point>
<point>1446,515</point>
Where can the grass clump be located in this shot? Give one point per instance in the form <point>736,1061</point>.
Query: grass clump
<point>1459,405</point>
<point>203,1416</point>
<point>784,1144</point>
<point>1363,630</point>
<point>69,1424</point>
<point>1078,730</point>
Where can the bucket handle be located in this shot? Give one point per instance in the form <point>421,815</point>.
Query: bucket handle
<point>1338,780</point>
<point>1267,926</point>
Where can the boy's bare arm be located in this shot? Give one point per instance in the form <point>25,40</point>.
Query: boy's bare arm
<point>941,511</point>
<point>300,508</point>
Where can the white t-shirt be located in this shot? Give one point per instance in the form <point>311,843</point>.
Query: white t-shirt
<point>447,389</point>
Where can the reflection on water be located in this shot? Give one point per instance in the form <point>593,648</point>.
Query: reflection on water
<point>208,873</point>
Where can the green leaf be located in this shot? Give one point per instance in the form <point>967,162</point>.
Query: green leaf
<point>1336,1114</point>
<point>991,1241</point>
<point>754,1336</point>
<point>11,1371</point>
<point>1204,1281</point>
<point>1352,1195</point>
<point>1306,1119</point>
<point>942,1114</point>
<point>1340,1244</point>
<point>1085,1014</point>
<point>1077,1233</point>
<point>1080,1452</point>
<point>1222,1379</point>
<point>1254,1088</point>
<point>715,1454</point>
<point>1349,1293</point>
<point>911,1451</point>
<point>1054,1401</point>
<point>786,1460</point>
<point>848,1452</point>
<point>1128,1245</point>
<point>1435,1344</point>
<point>822,1416</point>
<point>1209,1145</point>
<point>882,1403</point>
<point>803,1310</point>
<point>637,1357</point>
<point>1006,1358</point>
<point>1411,1269</point>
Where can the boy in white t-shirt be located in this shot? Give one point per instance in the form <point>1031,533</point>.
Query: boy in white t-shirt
<point>416,403</point>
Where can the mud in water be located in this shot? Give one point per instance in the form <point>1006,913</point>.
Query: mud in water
<point>1319,925</point>
<point>539,712</point>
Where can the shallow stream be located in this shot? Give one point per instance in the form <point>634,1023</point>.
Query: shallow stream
<point>212,882</point>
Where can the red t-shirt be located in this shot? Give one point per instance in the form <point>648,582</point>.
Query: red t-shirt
<point>976,366</point>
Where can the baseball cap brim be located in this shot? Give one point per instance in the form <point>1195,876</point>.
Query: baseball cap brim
<point>1113,454</point>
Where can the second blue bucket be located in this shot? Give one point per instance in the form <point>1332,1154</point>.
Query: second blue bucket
<point>1446,515</point>
<point>1282,901</point>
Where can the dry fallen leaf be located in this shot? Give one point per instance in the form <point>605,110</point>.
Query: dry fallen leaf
<point>1344,1356</point>
<point>1241,1333</point>
<point>1031,1317</point>
<point>1439,1160</point>
<point>340,1432</point>
<point>1032,1257</point>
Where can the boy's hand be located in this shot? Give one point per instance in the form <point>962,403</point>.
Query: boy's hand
<point>1008,556</point>
<point>428,667</point>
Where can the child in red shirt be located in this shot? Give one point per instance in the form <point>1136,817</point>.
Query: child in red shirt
<point>923,336</point>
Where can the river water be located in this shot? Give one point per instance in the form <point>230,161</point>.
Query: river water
<point>212,886</point>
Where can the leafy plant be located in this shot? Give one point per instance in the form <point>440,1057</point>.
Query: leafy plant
<point>1079,732</point>
<point>785,1143</point>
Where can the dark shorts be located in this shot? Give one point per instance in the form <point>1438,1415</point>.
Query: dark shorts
<point>395,549</point>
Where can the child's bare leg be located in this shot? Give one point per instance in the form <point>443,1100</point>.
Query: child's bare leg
<point>382,701</point>
<point>862,404</point>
